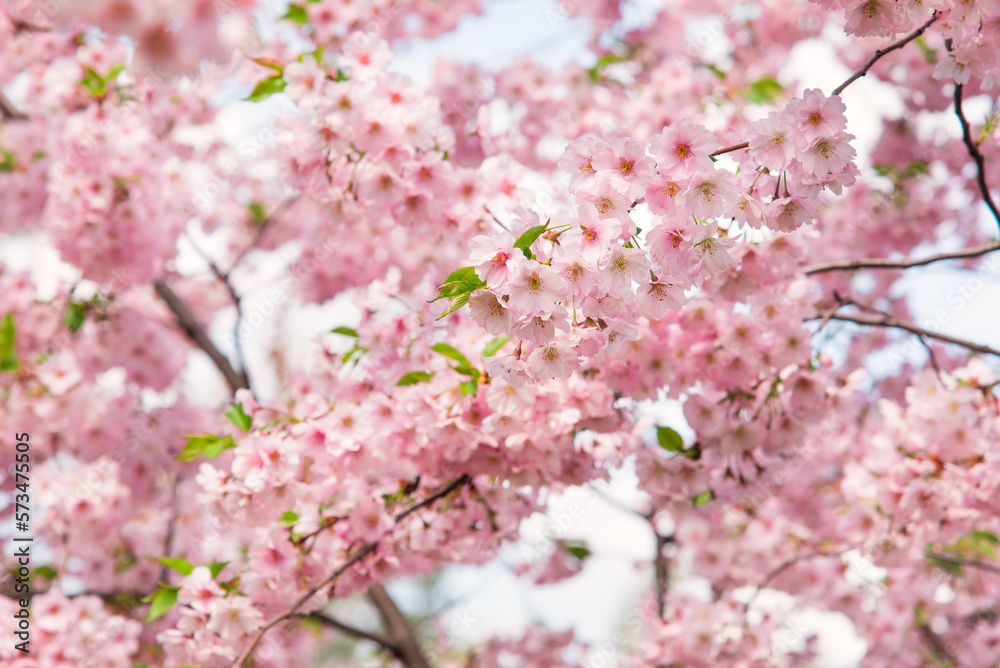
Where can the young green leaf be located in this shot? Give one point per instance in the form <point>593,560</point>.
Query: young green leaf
<point>346,331</point>
<point>468,387</point>
<point>763,90</point>
<point>265,88</point>
<point>8,334</point>
<point>669,439</point>
<point>414,377</point>
<point>529,237</point>
<point>75,316</point>
<point>206,444</point>
<point>451,353</point>
<point>494,345</point>
<point>296,14</point>
<point>216,567</point>
<point>162,600</point>
<point>179,565</point>
<point>238,417</point>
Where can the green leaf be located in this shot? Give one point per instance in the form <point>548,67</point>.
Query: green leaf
<point>451,353</point>
<point>238,417</point>
<point>162,601</point>
<point>414,377</point>
<point>529,237</point>
<point>577,548</point>
<point>346,331</point>
<point>456,303</point>
<point>257,213</point>
<point>453,284</point>
<point>46,572</point>
<point>8,356</point>
<point>265,88</point>
<point>75,316</point>
<point>703,498</point>
<point>457,287</point>
<point>270,63</point>
<point>669,439</point>
<point>468,387</point>
<point>179,565</point>
<point>357,350</point>
<point>296,13</point>
<point>493,346</point>
<point>206,444</point>
<point>290,517</point>
<point>8,161</point>
<point>716,71</point>
<point>216,567</point>
<point>317,55</point>
<point>763,90</point>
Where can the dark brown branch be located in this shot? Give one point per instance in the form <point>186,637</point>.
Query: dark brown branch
<point>886,320</point>
<point>352,631</point>
<point>882,52</point>
<point>402,635</point>
<point>195,332</point>
<point>882,263</point>
<point>976,155</point>
<point>9,112</point>
<point>362,552</point>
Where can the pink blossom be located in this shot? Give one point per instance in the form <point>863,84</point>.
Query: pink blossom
<point>683,149</point>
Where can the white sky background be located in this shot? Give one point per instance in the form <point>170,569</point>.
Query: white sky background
<point>596,601</point>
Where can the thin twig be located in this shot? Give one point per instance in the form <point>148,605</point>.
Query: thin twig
<point>195,332</point>
<point>882,263</point>
<point>730,149</point>
<point>886,320</point>
<point>781,568</point>
<point>362,552</point>
<point>881,52</point>
<point>976,155</point>
<point>933,358</point>
<point>262,229</point>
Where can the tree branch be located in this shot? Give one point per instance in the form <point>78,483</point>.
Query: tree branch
<point>882,263</point>
<point>964,562</point>
<point>881,52</point>
<point>195,332</point>
<point>886,320</point>
<point>260,233</point>
<point>352,631</point>
<point>362,552</point>
<point>400,631</point>
<point>9,112</point>
<point>976,155</point>
<point>730,149</point>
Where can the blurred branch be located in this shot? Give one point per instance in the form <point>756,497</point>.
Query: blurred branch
<point>195,332</point>
<point>403,638</point>
<point>260,232</point>
<point>958,561</point>
<point>886,320</point>
<point>9,111</point>
<point>881,263</point>
<point>882,52</point>
<point>350,630</point>
<point>976,155</point>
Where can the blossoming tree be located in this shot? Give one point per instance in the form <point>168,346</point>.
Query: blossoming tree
<point>710,233</point>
